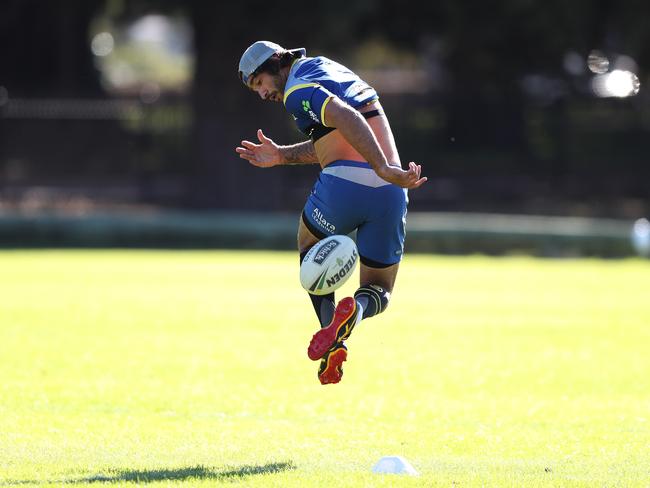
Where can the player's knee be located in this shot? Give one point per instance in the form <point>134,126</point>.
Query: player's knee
<point>376,298</point>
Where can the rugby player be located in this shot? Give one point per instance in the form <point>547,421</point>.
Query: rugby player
<point>361,186</point>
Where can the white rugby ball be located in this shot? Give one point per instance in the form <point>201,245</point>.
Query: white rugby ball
<point>328,264</point>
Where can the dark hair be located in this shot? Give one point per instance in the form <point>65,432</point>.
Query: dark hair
<point>277,62</point>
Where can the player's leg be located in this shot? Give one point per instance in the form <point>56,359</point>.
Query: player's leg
<point>375,287</point>
<point>332,208</point>
<point>330,369</point>
<point>381,246</point>
<point>324,305</point>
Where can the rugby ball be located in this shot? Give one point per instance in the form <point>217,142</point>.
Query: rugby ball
<point>328,264</point>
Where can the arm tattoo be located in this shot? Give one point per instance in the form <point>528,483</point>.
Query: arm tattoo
<point>301,153</point>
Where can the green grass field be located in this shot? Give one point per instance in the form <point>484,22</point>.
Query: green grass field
<point>190,368</point>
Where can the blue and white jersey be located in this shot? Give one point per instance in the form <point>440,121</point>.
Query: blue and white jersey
<point>311,85</point>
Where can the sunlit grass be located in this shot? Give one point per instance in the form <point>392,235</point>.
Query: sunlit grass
<point>191,368</point>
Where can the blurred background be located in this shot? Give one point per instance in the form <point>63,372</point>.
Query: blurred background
<point>118,121</point>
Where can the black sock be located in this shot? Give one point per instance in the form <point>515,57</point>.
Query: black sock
<point>373,299</point>
<point>324,305</point>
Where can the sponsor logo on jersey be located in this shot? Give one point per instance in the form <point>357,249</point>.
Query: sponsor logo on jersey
<point>306,106</point>
<point>317,215</point>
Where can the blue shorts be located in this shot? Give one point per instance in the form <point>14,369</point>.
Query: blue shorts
<point>350,196</point>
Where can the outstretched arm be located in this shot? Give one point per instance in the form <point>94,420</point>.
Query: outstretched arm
<point>301,153</point>
<point>358,133</point>
<point>268,153</point>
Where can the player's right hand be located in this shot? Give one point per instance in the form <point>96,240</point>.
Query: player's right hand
<point>263,155</point>
<point>410,178</point>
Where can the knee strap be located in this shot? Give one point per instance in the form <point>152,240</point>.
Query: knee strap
<point>377,299</point>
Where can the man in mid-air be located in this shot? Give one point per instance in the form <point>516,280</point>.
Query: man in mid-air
<point>361,186</point>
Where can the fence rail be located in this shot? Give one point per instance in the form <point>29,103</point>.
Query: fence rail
<point>448,233</point>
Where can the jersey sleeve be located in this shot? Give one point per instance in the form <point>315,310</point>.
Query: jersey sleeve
<point>308,101</point>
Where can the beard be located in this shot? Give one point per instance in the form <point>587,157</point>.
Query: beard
<point>278,88</point>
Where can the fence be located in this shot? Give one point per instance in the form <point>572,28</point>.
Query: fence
<point>426,232</point>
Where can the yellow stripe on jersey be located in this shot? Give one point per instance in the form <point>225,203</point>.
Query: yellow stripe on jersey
<point>322,111</point>
<point>296,87</point>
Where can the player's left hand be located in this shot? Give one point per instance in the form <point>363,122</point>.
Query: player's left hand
<point>410,178</point>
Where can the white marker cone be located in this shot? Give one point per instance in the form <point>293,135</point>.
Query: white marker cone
<point>394,465</point>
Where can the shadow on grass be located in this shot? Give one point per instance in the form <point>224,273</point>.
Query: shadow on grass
<point>180,474</point>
